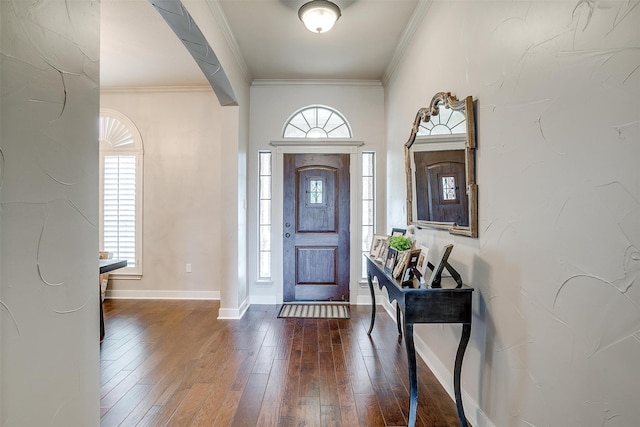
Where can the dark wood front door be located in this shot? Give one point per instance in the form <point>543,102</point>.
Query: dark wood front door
<point>316,227</point>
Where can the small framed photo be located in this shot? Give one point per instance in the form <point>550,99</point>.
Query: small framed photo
<point>401,262</point>
<point>390,260</point>
<point>377,245</point>
<point>423,261</point>
<point>382,251</point>
<point>411,265</point>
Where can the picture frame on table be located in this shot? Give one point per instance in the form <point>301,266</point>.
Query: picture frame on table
<point>401,262</point>
<point>423,262</point>
<point>436,275</point>
<point>383,250</point>
<point>390,260</point>
<point>377,245</point>
<point>411,266</point>
<point>398,231</point>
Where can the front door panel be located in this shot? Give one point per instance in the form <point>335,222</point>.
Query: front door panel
<point>316,227</point>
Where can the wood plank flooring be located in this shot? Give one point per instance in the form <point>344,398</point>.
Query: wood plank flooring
<point>173,363</point>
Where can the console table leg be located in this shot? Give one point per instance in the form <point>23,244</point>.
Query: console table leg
<point>413,377</point>
<point>398,319</point>
<point>457,370</point>
<point>373,303</point>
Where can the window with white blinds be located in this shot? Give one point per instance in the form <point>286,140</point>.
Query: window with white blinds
<point>121,174</point>
<point>119,207</point>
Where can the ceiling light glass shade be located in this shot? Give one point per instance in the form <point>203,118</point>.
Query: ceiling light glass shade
<point>319,16</point>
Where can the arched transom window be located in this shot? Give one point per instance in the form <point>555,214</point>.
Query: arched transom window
<point>447,122</point>
<point>317,121</point>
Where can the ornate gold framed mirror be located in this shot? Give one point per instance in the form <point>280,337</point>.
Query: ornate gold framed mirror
<point>440,167</point>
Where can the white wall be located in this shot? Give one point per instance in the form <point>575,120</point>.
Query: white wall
<point>49,336</point>
<point>195,183</point>
<point>182,138</point>
<point>556,333</point>
<point>272,103</point>
<point>235,141</point>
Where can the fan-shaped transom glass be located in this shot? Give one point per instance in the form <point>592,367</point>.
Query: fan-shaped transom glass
<point>317,122</point>
<point>447,122</point>
<point>115,133</point>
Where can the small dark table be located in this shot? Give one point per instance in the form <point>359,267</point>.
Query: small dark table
<point>450,303</point>
<point>107,265</point>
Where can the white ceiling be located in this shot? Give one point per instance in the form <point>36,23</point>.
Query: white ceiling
<point>139,49</point>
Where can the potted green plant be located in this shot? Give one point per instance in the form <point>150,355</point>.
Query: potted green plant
<point>400,243</point>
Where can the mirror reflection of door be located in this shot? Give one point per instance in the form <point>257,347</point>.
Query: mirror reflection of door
<point>441,175</point>
<point>316,227</point>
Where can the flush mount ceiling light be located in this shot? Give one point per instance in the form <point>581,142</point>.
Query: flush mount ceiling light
<point>319,15</point>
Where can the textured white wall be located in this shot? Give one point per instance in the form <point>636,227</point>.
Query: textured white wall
<point>182,212</point>
<point>556,334</point>
<point>49,336</point>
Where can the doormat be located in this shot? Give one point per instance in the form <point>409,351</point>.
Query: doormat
<point>315,311</point>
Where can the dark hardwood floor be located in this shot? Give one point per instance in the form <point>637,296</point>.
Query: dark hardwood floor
<point>174,363</point>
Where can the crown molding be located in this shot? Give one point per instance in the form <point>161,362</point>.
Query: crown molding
<point>304,82</point>
<point>221,19</point>
<point>154,89</point>
<point>407,36</point>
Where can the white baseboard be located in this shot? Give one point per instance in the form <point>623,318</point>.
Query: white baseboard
<point>159,294</point>
<point>263,299</point>
<point>363,300</point>
<point>273,300</point>
<point>233,313</point>
<point>474,414</point>
<point>223,313</point>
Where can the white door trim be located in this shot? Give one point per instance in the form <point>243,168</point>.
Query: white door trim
<point>353,148</point>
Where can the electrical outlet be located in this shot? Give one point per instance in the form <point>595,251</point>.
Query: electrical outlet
<point>188,268</point>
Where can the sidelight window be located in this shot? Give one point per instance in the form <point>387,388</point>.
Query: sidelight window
<point>264,214</point>
<point>368,205</point>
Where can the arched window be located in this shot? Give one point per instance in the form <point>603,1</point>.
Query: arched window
<point>446,122</point>
<point>121,155</point>
<point>317,121</point>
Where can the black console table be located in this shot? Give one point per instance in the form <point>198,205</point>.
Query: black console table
<point>444,304</point>
<point>107,265</point>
